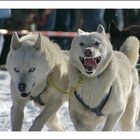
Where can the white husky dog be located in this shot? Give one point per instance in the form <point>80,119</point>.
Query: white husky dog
<point>109,82</point>
<point>36,64</point>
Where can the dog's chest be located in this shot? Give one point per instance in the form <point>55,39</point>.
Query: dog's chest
<point>94,91</point>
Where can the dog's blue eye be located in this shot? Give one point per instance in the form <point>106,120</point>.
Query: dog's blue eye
<point>81,44</point>
<point>32,69</point>
<point>16,70</point>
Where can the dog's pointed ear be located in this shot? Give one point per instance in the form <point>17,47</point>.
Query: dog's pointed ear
<point>100,29</point>
<point>80,31</point>
<point>15,43</point>
<point>38,41</point>
<point>113,30</point>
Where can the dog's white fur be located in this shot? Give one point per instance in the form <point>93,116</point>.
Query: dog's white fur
<point>114,70</point>
<point>46,57</point>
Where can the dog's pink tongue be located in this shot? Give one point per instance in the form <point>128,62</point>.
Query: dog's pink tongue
<point>90,63</point>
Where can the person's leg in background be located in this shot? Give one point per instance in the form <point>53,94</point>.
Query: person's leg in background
<point>91,19</point>
<point>50,23</point>
<point>63,23</point>
<point>4,14</point>
<point>1,35</point>
<point>116,15</point>
<point>119,18</point>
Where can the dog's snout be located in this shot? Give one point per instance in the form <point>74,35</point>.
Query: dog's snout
<point>21,87</point>
<point>88,53</point>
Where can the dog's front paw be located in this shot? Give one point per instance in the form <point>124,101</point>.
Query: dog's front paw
<point>61,127</point>
<point>56,127</point>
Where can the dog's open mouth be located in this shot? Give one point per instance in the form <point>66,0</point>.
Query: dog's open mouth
<point>24,94</point>
<point>90,63</point>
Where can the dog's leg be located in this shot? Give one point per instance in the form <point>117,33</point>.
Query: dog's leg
<point>80,126</point>
<point>54,123</point>
<point>81,122</point>
<point>130,116</point>
<point>50,108</point>
<point>112,121</point>
<point>17,116</point>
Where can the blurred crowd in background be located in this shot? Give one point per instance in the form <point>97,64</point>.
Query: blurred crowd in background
<point>69,19</point>
<point>63,20</point>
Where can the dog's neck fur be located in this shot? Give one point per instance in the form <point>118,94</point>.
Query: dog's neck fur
<point>37,99</point>
<point>101,69</point>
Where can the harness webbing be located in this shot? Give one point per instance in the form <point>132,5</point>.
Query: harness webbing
<point>50,82</point>
<point>97,110</point>
<point>37,99</point>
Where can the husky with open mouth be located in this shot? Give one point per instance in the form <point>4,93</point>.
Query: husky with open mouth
<point>34,62</point>
<point>108,90</point>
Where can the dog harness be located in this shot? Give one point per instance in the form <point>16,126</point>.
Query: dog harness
<point>37,99</point>
<point>97,110</point>
<point>50,82</point>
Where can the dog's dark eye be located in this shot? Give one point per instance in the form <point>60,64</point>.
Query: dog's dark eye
<point>32,69</point>
<point>81,44</point>
<point>97,43</point>
<point>16,70</point>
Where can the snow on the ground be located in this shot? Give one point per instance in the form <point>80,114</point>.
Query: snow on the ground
<point>31,111</point>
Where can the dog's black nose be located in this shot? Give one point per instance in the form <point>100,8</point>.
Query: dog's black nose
<point>21,87</point>
<point>88,53</point>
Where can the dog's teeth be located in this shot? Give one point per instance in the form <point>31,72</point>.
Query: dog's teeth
<point>88,58</point>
